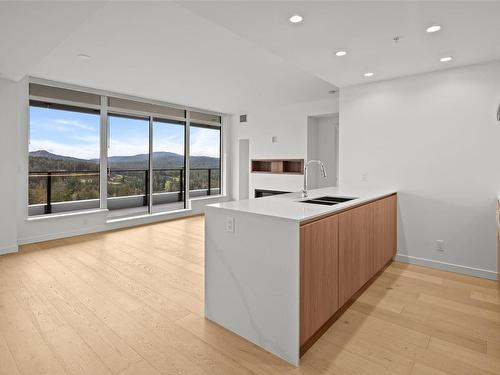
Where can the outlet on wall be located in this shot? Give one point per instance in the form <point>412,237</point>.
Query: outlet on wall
<point>440,245</point>
<point>230,224</point>
<point>364,176</point>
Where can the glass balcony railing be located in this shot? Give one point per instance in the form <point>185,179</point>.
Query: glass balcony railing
<point>61,191</point>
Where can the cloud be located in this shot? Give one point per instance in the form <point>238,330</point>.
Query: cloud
<point>86,138</point>
<point>134,147</point>
<point>60,126</point>
<point>74,124</point>
<point>205,142</point>
<point>82,151</point>
<point>168,145</point>
<point>130,147</point>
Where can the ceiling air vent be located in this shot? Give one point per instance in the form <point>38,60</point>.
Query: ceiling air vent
<point>243,118</point>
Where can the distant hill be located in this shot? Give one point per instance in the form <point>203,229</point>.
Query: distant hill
<point>48,155</point>
<point>43,160</point>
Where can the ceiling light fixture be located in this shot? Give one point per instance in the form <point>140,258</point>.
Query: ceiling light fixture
<point>433,28</point>
<point>83,56</point>
<point>296,18</point>
<point>446,59</point>
<point>340,53</point>
<point>369,74</point>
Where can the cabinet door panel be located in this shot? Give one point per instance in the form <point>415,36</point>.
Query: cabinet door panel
<point>356,259</point>
<point>318,274</point>
<point>367,241</point>
<point>385,230</point>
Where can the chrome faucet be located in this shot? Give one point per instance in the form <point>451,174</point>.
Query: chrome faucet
<point>323,173</point>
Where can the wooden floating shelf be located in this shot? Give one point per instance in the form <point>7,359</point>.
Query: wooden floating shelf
<point>278,166</point>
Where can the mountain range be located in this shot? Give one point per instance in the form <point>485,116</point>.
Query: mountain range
<point>43,160</point>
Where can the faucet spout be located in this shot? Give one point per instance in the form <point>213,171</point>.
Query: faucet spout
<point>323,173</point>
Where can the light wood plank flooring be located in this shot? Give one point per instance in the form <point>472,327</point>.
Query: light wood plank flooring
<point>131,302</point>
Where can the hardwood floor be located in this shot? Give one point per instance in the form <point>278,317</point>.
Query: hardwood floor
<point>130,302</point>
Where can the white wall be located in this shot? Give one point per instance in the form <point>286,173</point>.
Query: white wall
<point>322,144</point>
<point>15,227</point>
<point>328,149</point>
<point>244,168</point>
<point>9,118</point>
<point>289,124</point>
<point>312,150</point>
<point>435,138</point>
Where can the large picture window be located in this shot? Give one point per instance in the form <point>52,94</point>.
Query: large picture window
<point>205,160</point>
<point>145,170</point>
<point>128,165</point>
<point>146,165</point>
<point>169,164</point>
<point>63,159</point>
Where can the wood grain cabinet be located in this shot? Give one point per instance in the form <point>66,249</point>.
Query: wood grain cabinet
<point>318,274</point>
<point>279,166</point>
<point>385,236</point>
<point>356,260</point>
<point>367,242</point>
<point>339,256</point>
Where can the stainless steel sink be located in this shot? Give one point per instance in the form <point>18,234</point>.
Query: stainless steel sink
<point>327,200</point>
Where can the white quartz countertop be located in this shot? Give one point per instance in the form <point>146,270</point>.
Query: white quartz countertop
<point>288,206</point>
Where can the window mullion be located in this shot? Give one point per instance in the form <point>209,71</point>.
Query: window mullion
<point>187,143</point>
<point>103,154</point>
<point>150,182</point>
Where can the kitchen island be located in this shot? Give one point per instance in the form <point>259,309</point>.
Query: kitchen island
<point>279,271</point>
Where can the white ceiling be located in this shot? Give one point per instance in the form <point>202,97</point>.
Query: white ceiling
<point>162,51</point>
<point>470,33</point>
<point>30,30</point>
<point>233,56</point>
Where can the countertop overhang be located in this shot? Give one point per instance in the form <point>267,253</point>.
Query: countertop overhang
<point>289,206</point>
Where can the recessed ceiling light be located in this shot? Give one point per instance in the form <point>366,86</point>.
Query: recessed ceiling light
<point>433,28</point>
<point>296,18</point>
<point>341,53</point>
<point>369,74</point>
<point>446,59</point>
<point>83,56</point>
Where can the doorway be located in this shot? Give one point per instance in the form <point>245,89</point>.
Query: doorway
<point>323,144</point>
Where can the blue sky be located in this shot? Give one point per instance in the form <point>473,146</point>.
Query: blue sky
<point>77,134</point>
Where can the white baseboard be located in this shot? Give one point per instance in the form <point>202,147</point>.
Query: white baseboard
<point>471,271</point>
<point>8,249</point>
<point>110,225</point>
<point>59,235</point>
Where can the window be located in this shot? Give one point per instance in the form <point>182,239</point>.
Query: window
<point>147,153</point>
<point>169,164</point>
<point>204,160</point>
<point>134,186</point>
<point>63,158</point>
<point>128,164</point>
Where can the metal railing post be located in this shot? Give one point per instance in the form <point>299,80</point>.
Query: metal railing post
<point>209,181</point>
<point>181,183</point>
<point>146,187</point>
<point>48,206</point>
